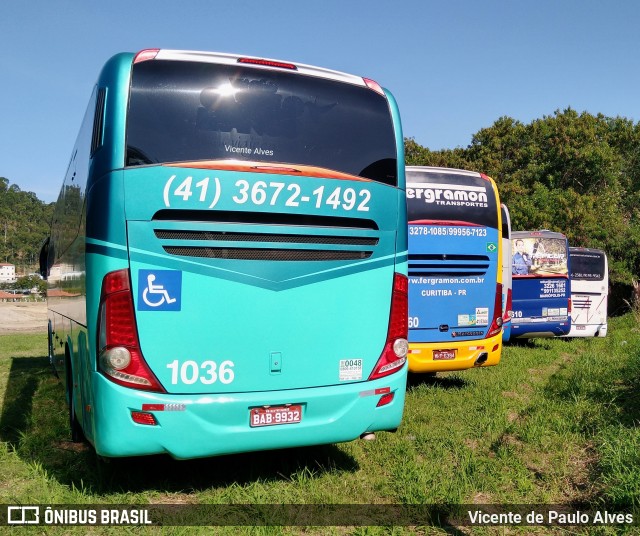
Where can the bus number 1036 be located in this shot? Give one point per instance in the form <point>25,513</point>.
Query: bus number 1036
<point>207,372</point>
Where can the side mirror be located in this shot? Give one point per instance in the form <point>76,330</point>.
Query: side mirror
<point>44,258</point>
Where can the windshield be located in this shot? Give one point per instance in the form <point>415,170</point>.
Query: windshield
<point>587,265</point>
<point>186,111</point>
<point>448,197</point>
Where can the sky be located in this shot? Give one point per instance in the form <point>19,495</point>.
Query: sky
<point>454,66</point>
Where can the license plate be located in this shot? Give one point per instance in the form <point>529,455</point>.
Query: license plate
<point>444,355</point>
<point>273,415</point>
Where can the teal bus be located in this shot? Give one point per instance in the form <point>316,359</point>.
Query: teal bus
<point>227,259</point>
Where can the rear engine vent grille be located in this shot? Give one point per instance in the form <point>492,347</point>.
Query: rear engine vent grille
<point>263,218</point>
<point>439,265</point>
<point>255,236</point>
<point>255,254</point>
<point>264,237</point>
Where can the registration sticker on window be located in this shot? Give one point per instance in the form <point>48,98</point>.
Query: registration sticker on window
<point>482,316</point>
<point>350,369</point>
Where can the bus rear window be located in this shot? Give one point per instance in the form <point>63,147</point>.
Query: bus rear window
<point>587,266</point>
<point>451,197</point>
<point>186,111</point>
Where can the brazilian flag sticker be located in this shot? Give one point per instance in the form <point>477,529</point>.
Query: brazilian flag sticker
<point>492,247</point>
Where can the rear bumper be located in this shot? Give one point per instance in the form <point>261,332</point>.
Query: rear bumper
<point>587,330</point>
<point>541,329</point>
<point>506,331</point>
<point>211,425</point>
<point>467,353</point>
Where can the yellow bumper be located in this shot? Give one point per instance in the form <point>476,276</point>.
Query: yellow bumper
<point>455,355</point>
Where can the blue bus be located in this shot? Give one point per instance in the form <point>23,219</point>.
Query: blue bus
<point>227,258</point>
<point>541,289</point>
<point>455,269</point>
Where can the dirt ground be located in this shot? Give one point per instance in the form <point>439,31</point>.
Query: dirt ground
<point>23,317</point>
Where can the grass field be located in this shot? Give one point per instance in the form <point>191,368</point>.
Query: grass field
<point>555,423</point>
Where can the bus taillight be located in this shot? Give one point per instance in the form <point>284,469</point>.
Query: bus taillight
<point>145,55</point>
<point>396,348</point>
<point>385,399</point>
<point>372,84</point>
<point>140,417</point>
<point>268,63</point>
<point>509,306</point>
<point>119,355</point>
<point>496,324</point>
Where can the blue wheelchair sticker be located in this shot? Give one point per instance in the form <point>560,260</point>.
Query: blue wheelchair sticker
<point>159,290</point>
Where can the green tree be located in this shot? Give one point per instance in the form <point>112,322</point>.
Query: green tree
<point>31,282</point>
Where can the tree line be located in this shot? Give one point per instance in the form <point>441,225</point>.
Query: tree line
<point>578,174</point>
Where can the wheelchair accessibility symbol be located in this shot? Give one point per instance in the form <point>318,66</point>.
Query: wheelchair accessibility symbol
<point>159,290</point>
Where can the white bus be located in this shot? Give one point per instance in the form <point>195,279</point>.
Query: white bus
<point>589,292</point>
